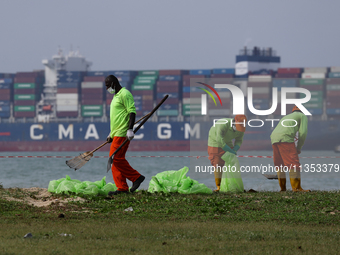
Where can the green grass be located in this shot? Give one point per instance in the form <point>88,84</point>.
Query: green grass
<point>247,223</point>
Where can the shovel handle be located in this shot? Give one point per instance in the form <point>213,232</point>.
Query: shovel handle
<point>145,118</point>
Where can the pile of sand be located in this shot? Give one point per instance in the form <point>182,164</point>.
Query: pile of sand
<point>39,197</point>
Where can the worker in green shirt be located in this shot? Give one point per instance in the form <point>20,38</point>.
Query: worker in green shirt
<point>122,119</point>
<point>284,150</point>
<point>220,141</point>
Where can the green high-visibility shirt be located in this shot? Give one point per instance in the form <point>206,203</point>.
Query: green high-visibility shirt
<point>121,106</point>
<point>222,133</point>
<point>287,134</point>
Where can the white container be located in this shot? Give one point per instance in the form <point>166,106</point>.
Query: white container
<point>67,102</point>
<point>313,75</point>
<point>260,78</point>
<point>70,96</point>
<point>315,70</point>
<point>335,69</point>
<point>67,108</point>
<point>91,85</point>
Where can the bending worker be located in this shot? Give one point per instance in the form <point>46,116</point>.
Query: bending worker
<point>220,141</point>
<point>122,119</point>
<point>285,153</point>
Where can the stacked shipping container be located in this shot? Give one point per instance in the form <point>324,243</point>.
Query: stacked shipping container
<point>261,95</point>
<point>68,93</point>
<point>27,91</point>
<point>5,97</point>
<point>313,80</point>
<point>169,83</point>
<point>142,89</point>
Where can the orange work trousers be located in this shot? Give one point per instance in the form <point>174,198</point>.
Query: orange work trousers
<point>121,169</point>
<point>285,155</point>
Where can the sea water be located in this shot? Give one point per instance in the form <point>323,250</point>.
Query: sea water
<point>38,172</point>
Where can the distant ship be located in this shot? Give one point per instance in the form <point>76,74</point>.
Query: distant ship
<point>66,107</point>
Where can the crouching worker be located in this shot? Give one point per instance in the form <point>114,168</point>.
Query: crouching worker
<point>122,119</point>
<point>220,142</point>
<point>284,150</point>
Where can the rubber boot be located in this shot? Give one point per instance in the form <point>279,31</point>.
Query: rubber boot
<point>282,183</point>
<point>296,185</point>
<point>218,184</point>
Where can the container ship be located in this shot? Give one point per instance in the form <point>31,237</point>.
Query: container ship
<point>65,106</point>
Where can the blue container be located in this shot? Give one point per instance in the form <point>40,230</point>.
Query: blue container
<point>261,101</point>
<point>98,73</point>
<point>316,111</point>
<point>138,102</point>
<point>123,73</point>
<point>170,77</point>
<point>5,86</point>
<point>5,108</point>
<point>169,107</point>
<point>139,107</point>
<point>332,111</point>
<point>5,103</point>
<point>200,72</point>
<point>171,95</point>
<point>69,79</point>
<point>6,81</point>
<point>192,89</point>
<point>137,97</point>
<point>284,82</point>
<point>74,74</point>
<point>241,76</point>
<point>5,114</point>
<point>223,71</point>
<point>63,85</point>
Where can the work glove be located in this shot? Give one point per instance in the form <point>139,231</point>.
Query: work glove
<point>130,134</point>
<point>227,148</point>
<point>236,148</point>
<point>109,139</point>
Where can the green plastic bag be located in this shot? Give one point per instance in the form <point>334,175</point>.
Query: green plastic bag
<point>177,181</point>
<point>109,187</point>
<point>67,185</point>
<point>52,186</point>
<point>231,177</point>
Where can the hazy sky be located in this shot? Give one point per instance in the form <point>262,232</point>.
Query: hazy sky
<point>173,34</point>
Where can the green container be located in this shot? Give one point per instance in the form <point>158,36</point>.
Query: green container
<point>191,112</point>
<point>316,96</point>
<point>24,108</point>
<point>313,105</point>
<point>191,107</point>
<point>92,113</point>
<point>167,113</point>
<point>333,87</point>
<point>24,85</point>
<point>142,87</point>
<point>311,82</point>
<point>144,81</point>
<point>24,97</point>
<point>148,72</point>
<point>92,108</point>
